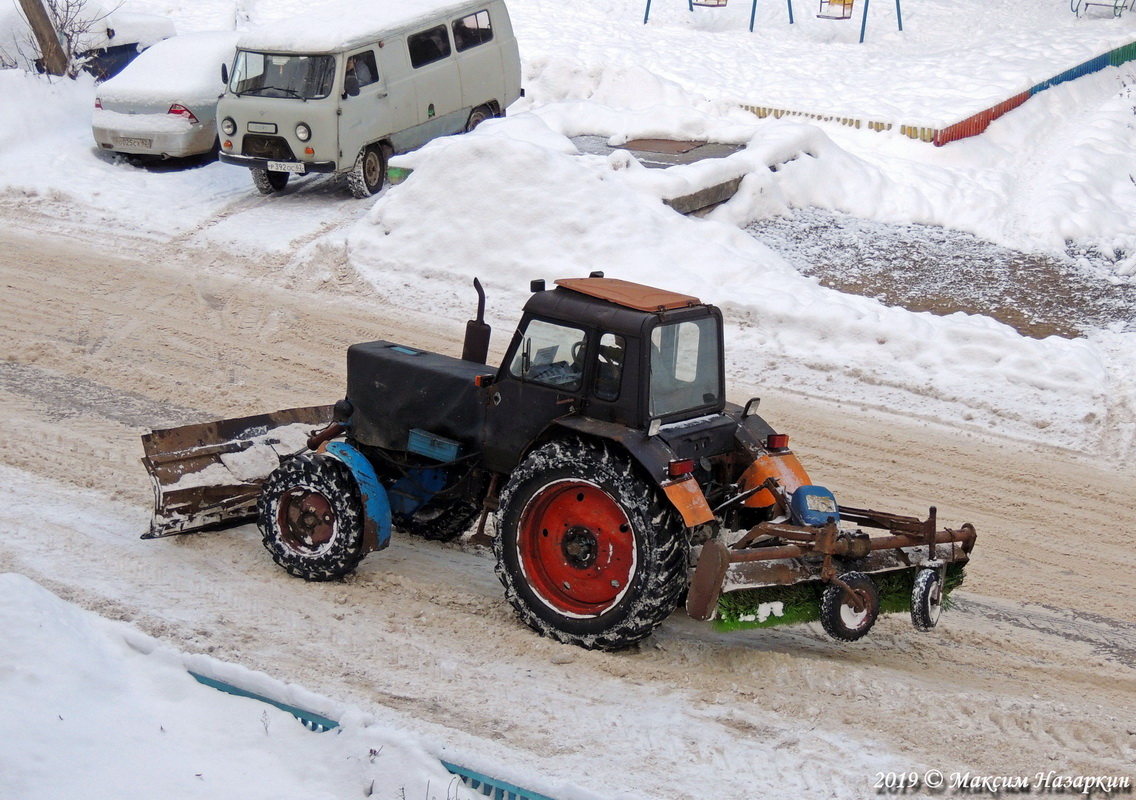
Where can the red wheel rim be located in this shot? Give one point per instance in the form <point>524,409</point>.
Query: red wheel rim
<point>576,548</point>
<point>306,520</point>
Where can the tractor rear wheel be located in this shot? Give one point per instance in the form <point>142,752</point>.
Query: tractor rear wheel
<point>588,551</point>
<point>311,518</point>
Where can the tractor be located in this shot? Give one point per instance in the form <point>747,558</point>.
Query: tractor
<point>621,478</point>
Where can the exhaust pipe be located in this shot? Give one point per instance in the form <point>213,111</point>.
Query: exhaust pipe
<point>476,347</point>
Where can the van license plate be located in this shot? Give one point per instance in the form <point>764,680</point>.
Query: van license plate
<point>286,166</point>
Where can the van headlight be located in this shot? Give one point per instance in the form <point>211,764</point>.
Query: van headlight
<point>303,132</point>
<point>228,127</point>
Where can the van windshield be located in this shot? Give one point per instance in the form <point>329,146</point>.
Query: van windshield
<point>274,75</point>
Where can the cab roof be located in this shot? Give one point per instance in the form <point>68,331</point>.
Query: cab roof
<point>629,295</point>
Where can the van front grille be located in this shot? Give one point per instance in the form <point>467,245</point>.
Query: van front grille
<point>271,147</point>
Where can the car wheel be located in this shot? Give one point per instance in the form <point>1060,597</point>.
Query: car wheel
<point>268,181</point>
<point>366,179</point>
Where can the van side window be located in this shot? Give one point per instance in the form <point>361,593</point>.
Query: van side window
<point>362,66</point>
<point>472,30</point>
<point>428,46</point>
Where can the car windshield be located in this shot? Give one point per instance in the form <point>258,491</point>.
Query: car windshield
<point>272,75</point>
<point>684,366</point>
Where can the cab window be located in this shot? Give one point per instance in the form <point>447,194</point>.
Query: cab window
<point>609,367</point>
<point>362,66</point>
<point>684,366</point>
<point>550,354</point>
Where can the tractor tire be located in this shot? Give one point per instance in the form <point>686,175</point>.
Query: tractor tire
<point>839,619</point>
<point>366,179</point>
<point>441,523</point>
<point>926,599</point>
<point>268,182</point>
<point>310,516</point>
<point>588,551</point>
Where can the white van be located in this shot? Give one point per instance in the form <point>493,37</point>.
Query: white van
<point>341,88</point>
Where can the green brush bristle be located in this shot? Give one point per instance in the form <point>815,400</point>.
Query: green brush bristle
<point>801,602</point>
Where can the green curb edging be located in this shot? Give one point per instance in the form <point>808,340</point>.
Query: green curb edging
<point>489,787</point>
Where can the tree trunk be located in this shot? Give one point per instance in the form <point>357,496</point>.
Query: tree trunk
<point>54,59</point>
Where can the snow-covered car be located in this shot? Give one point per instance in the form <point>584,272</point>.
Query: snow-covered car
<point>165,103</point>
<point>115,38</point>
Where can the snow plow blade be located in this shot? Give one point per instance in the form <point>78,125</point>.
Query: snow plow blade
<point>210,474</point>
<point>782,555</point>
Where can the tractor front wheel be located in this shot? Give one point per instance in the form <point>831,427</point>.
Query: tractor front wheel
<point>588,551</point>
<point>311,518</point>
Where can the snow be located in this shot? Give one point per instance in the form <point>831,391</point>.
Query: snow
<point>126,720</point>
<point>336,25</point>
<point>514,201</point>
<point>185,69</point>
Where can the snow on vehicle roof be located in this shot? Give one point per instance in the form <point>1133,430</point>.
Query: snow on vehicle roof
<point>112,28</point>
<point>336,26</point>
<point>180,69</point>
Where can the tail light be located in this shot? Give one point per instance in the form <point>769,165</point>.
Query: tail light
<point>178,110</point>
<point>676,469</point>
<point>777,441</point>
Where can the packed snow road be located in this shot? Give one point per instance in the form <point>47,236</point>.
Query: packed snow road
<point>1035,671</point>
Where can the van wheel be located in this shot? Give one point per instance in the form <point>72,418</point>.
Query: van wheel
<point>478,116</point>
<point>370,167</point>
<point>268,182</point>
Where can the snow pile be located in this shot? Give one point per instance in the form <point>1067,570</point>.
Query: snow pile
<point>126,720</point>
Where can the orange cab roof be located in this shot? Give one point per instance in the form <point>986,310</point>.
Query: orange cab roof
<point>630,295</point>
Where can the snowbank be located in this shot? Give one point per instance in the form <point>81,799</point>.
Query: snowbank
<point>126,720</point>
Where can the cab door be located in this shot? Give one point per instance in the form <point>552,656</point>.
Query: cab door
<point>542,380</point>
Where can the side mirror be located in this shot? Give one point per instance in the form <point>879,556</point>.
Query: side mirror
<point>351,86</point>
<point>225,74</point>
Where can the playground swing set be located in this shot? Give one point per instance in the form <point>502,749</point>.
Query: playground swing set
<point>829,9</point>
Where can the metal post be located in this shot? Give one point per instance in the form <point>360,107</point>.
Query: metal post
<point>898,15</point>
<point>647,13</point>
<point>790,11</point>
<point>864,21</point>
<point>752,15</point>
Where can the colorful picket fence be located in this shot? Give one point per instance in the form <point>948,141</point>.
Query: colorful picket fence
<point>972,125</point>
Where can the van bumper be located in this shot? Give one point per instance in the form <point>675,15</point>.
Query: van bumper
<point>263,163</point>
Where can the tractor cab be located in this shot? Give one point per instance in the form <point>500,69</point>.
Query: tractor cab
<point>610,351</point>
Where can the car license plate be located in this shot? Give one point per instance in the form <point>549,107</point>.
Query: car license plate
<point>262,127</point>
<point>286,166</point>
<point>132,142</point>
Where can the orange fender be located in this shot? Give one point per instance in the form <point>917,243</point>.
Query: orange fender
<point>783,466</point>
